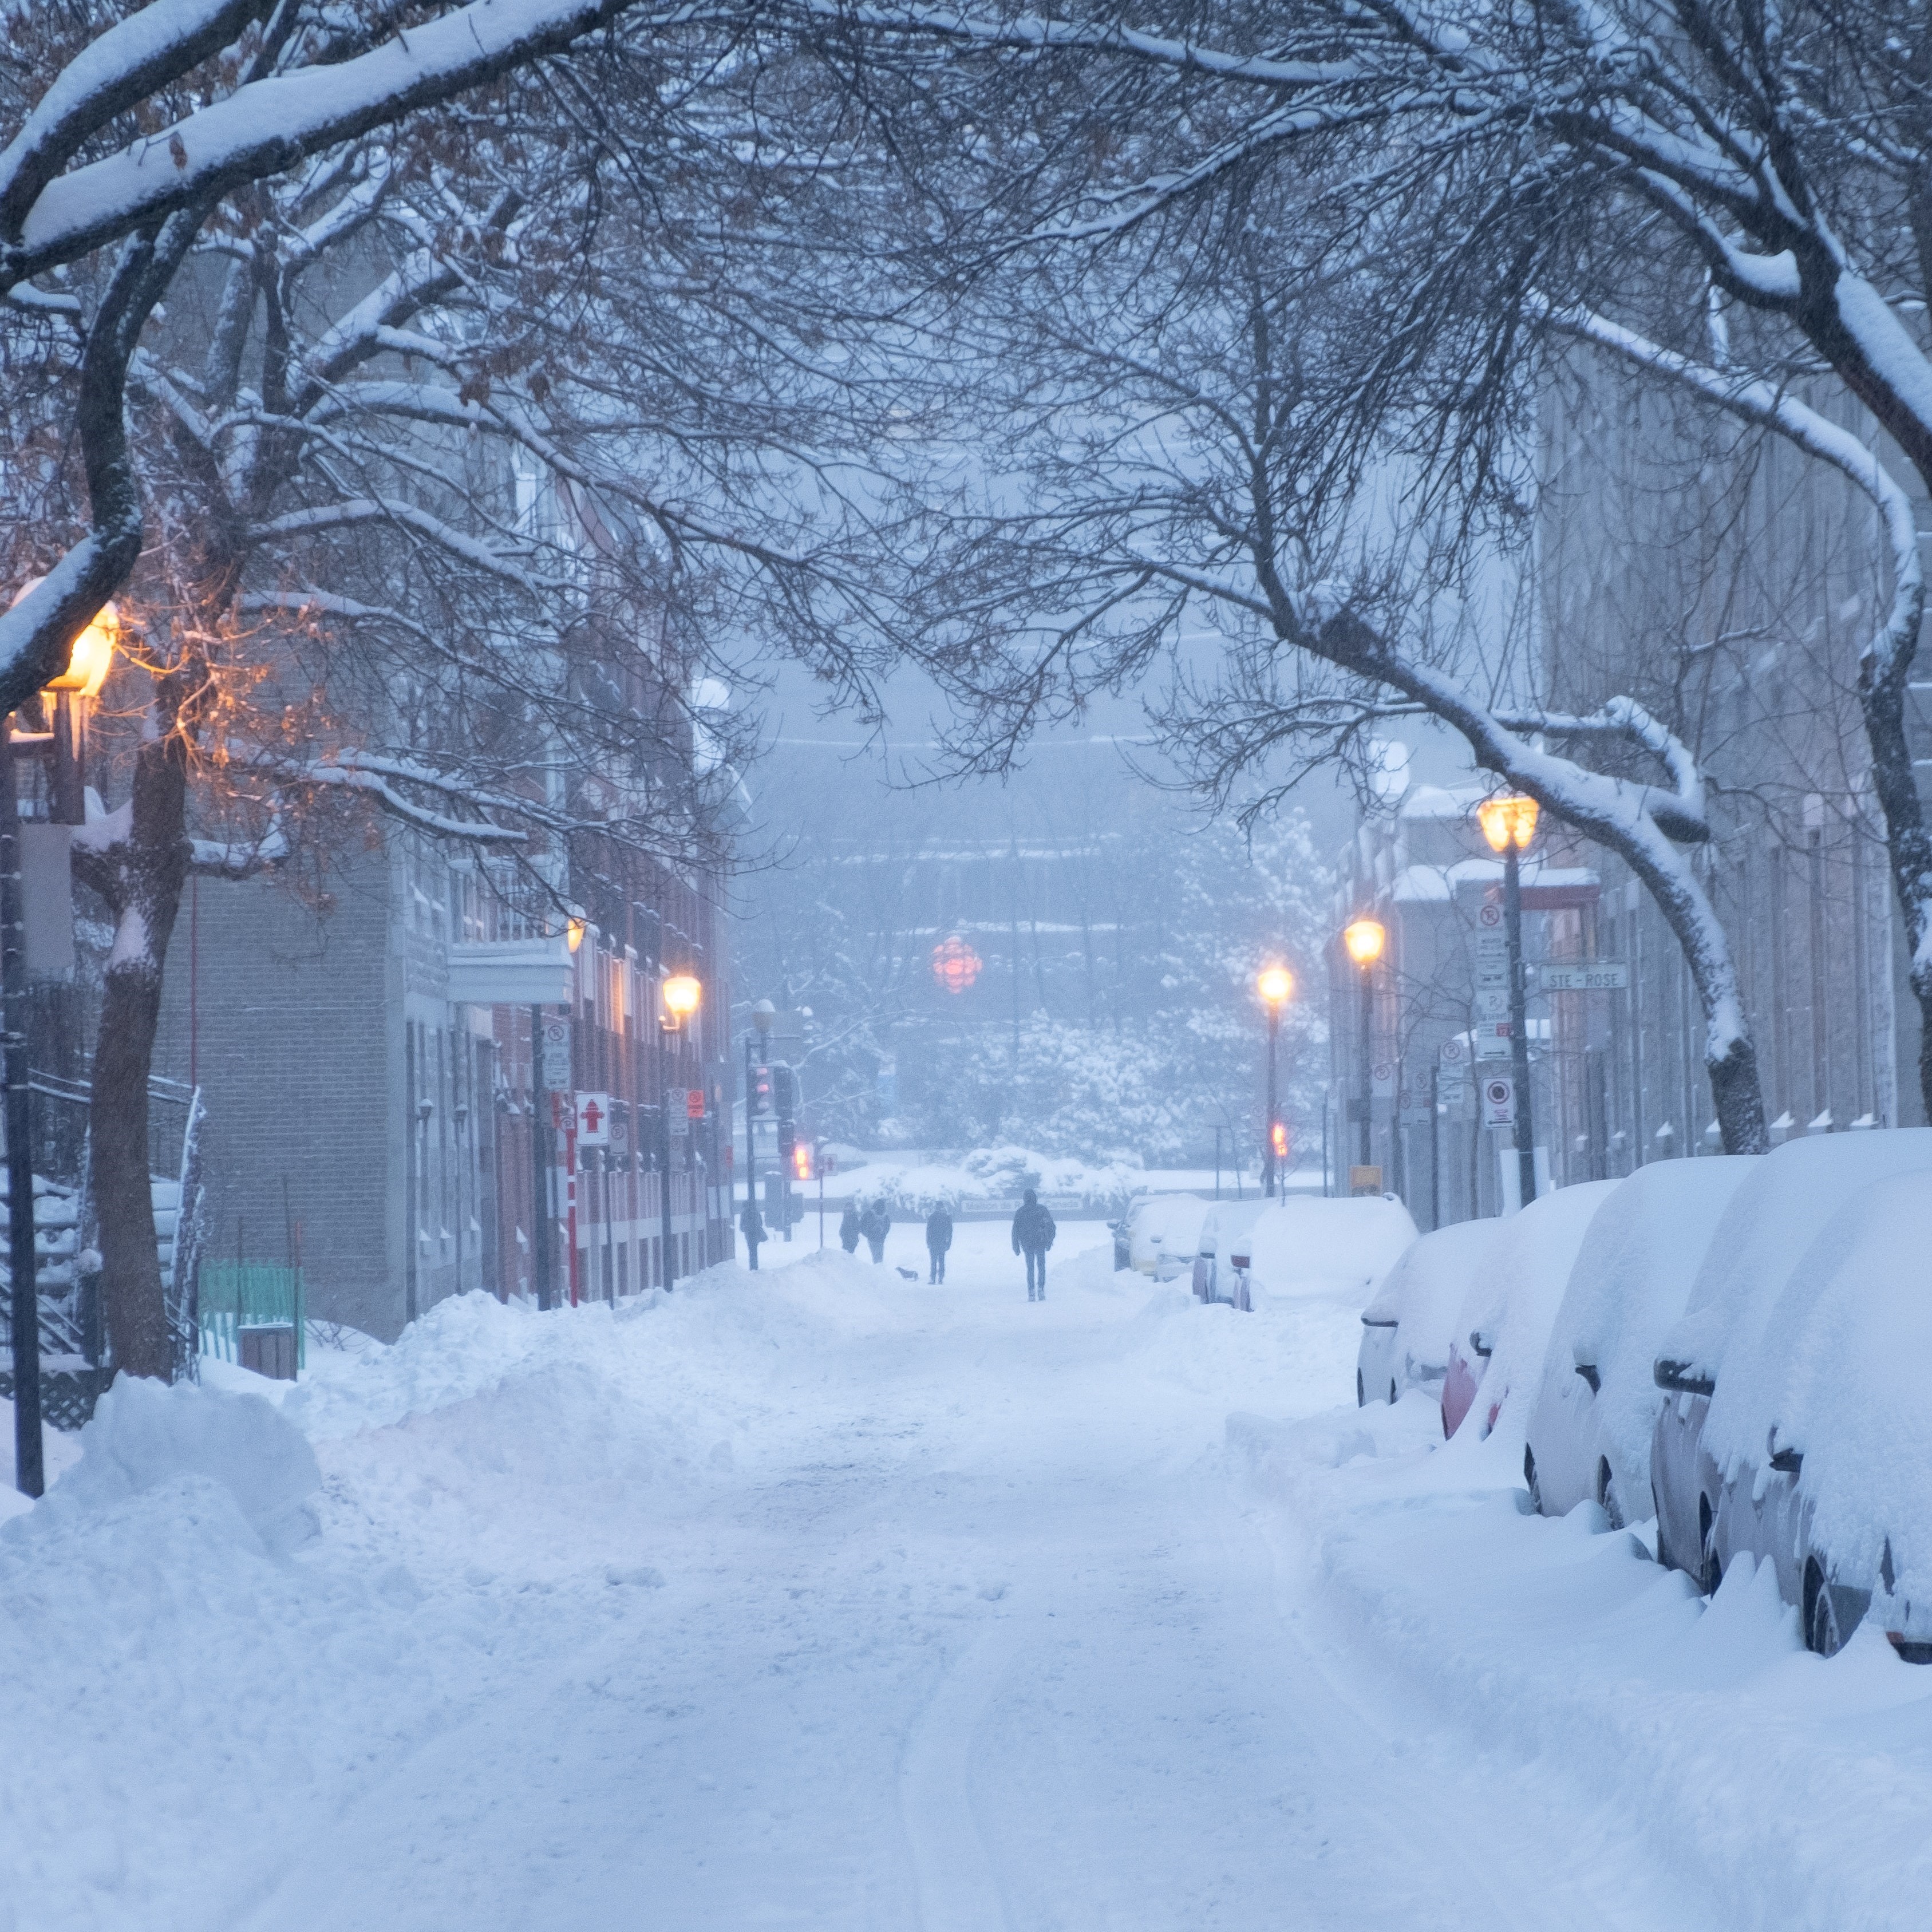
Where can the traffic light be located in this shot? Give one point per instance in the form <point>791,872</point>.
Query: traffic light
<point>1278,1139</point>
<point>801,1161</point>
<point>761,1090</point>
<point>784,1091</point>
<point>788,1140</point>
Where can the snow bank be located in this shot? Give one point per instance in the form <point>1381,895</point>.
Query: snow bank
<point>1629,1285</point>
<point>1423,1292</point>
<point>1513,1299</point>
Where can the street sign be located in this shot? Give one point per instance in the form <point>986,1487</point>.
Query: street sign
<point>1453,1052</point>
<point>593,1119</point>
<point>1489,921</point>
<point>1416,1117</point>
<point>1493,1003</point>
<point>1452,1093</point>
<point>1365,1180</point>
<point>556,1056</point>
<point>620,1128</point>
<point>1492,1039</point>
<point>694,1103</point>
<point>1382,1080</point>
<point>1583,975</point>
<point>1492,970</point>
<point>1499,1100</point>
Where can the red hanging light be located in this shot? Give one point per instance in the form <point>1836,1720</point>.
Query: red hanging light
<point>955,965</point>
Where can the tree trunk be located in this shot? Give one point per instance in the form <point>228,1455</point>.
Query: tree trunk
<point>145,894</point>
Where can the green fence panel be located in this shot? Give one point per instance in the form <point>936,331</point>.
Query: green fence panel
<point>236,1295</point>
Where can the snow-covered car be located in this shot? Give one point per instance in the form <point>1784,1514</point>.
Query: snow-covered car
<point>1164,1234</point>
<point>1224,1252</point>
<point>1503,1326</point>
<point>1590,1429</point>
<point>1800,1433</point>
<point>1405,1329</point>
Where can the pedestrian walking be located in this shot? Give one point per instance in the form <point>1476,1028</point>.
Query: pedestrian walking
<point>1033,1231</point>
<point>753,1223</point>
<point>848,1229</point>
<point>938,1239</point>
<point>875,1224</point>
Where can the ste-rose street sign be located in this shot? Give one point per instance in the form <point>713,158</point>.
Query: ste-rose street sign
<point>1582,976</point>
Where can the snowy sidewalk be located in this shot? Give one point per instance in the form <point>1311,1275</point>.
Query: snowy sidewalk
<point>817,1598</point>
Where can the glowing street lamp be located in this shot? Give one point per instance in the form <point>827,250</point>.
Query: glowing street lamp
<point>1364,939</point>
<point>1509,823</point>
<point>1276,984</point>
<point>680,995</point>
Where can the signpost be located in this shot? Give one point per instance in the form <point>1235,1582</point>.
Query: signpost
<point>1582,976</point>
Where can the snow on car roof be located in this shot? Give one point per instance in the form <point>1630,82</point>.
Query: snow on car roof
<point>1772,1219</point>
<point>1631,1279</point>
<point>1424,1291</point>
<point>1312,1238</point>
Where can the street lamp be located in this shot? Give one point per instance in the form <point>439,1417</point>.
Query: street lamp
<point>1276,984</point>
<point>1509,823</point>
<point>1365,939</point>
<point>89,662</point>
<point>680,995</point>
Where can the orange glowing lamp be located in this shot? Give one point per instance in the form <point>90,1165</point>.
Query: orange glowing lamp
<point>955,965</point>
<point>1278,1139</point>
<point>681,995</point>
<point>801,1161</point>
<point>1508,819</point>
<point>1276,984</point>
<point>1364,938</point>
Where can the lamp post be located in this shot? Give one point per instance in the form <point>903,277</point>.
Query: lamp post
<point>763,1014</point>
<point>1276,984</point>
<point>1365,939</point>
<point>680,994</point>
<point>1509,823</point>
<point>89,662</point>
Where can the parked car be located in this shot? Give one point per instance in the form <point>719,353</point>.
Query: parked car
<point>1768,1239</point>
<point>1224,1252</point>
<point>1405,1329</point>
<point>1164,1234</point>
<point>1503,1327</point>
<point>1590,1426</point>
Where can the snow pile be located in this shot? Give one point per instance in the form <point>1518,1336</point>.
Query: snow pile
<point>1165,1228</point>
<point>1628,1286</point>
<point>1512,1300</point>
<point>1423,1292</point>
<point>1773,1218</point>
<point>1839,1371</point>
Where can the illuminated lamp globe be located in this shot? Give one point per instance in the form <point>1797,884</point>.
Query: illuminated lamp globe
<point>1508,819</point>
<point>681,995</point>
<point>1364,939</point>
<point>1276,984</point>
<point>92,655</point>
<point>955,965</point>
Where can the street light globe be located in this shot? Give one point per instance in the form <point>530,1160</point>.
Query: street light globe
<point>681,995</point>
<point>762,1015</point>
<point>1364,939</point>
<point>91,656</point>
<point>1508,819</point>
<point>1276,984</point>
<point>573,933</point>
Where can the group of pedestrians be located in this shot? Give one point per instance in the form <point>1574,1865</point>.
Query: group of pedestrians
<point>1033,1231</point>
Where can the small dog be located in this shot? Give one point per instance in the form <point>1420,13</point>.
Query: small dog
<point>910,1274</point>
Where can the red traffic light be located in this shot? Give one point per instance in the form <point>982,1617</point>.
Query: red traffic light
<point>801,1161</point>
<point>1278,1139</point>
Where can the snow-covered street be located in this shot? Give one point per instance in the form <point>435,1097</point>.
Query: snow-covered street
<point>825,1598</point>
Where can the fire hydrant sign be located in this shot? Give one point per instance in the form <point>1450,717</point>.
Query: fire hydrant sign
<point>593,1119</point>
<point>1499,1100</point>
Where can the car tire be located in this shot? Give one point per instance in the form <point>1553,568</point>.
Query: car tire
<point>1823,1636</point>
<point>1606,1493</point>
<point>1361,1395</point>
<point>1529,1476</point>
<point>1657,1510</point>
<point>1709,1574</point>
<point>1391,1391</point>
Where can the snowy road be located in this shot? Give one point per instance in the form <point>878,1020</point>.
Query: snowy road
<point>822,1600</point>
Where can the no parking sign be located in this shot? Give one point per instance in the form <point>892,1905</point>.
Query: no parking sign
<point>1499,1100</point>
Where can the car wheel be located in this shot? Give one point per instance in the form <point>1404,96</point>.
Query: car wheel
<point>1529,1476</point>
<point>1606,1493</point>
<point>1391,1391</point>
<point>1361,1396</point>
<point>1710,1574</point>
<point>1822,1633</point>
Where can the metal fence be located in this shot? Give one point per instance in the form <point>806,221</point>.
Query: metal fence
<point>236,1295</point>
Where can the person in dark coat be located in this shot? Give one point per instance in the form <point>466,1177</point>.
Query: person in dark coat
<point>753,1223</point>
<point>848,1229</point>
<point>1033,1231</point>
<point>875,1224</point>
<point>938,1239</point>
